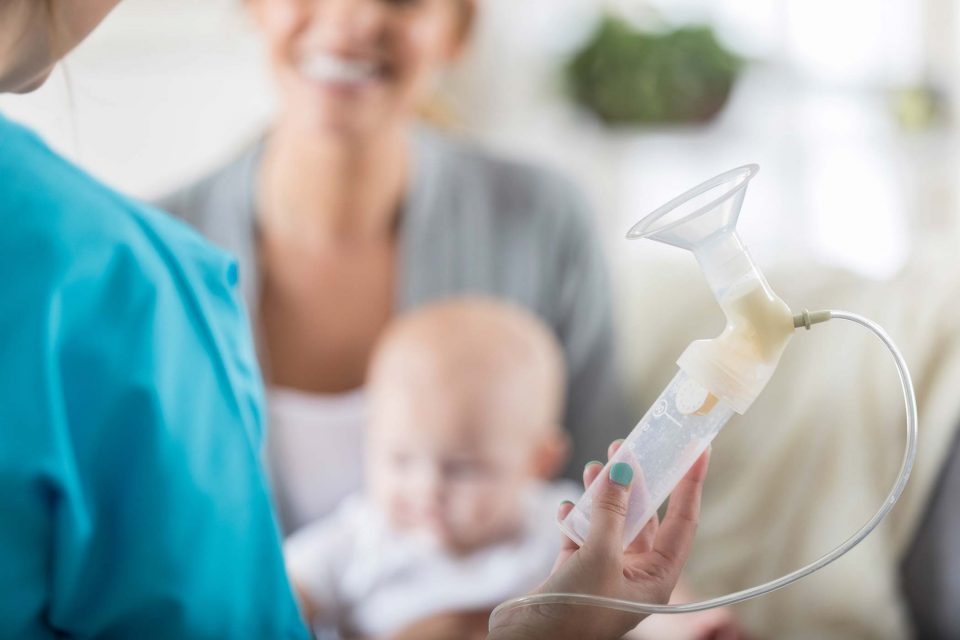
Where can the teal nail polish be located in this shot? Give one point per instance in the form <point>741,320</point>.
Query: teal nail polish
<point>593,462</point>
<point>622,474</point>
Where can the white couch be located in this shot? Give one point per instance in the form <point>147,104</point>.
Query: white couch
<point>817,453</point>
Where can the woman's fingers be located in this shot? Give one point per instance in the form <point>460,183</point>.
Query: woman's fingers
<point>610,502</point>
<point>613,448</point>
<point>676,532</point>
<point>567,546</point>
<point>590,472</point>
<point>644,540</point>
<point>566,543</point>
<point>594,467</point>
<point>609,509</point>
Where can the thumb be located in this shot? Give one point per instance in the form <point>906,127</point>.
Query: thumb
<point>608,512</point>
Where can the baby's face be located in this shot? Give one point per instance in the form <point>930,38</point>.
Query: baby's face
<point>450,465</point>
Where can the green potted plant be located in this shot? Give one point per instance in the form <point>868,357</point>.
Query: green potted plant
<point>627,76</point>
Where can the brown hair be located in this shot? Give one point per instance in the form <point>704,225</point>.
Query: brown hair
<point>467,10</point>
<point>439,109</point>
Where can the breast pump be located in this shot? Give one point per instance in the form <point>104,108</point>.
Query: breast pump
<point>717,379</point>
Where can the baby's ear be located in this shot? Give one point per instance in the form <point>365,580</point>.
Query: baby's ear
<point>551,456</point>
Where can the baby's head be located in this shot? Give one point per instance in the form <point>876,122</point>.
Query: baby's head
<point>466,399</point>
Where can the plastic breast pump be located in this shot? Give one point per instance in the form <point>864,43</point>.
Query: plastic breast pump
<point>717,378</point>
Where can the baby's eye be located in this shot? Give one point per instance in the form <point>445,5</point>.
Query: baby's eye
<point>403,3</point>
<point>401,460</point>
<point>465,470</point>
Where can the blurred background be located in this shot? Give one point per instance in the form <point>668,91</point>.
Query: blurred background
<point>849,108</point>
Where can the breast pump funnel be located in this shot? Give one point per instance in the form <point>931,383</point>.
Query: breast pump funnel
<point>738,364</point>
<point>718,377</point>
<point>692,218</point>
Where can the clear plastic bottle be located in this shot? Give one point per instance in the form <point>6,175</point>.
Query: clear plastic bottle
<point>676,429</point>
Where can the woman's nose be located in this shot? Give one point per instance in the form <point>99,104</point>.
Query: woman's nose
<point>348,25</point>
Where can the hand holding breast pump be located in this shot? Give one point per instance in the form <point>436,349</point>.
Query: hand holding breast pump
<point>717,378</point>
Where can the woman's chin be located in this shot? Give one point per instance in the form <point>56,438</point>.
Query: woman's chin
<point>22,85</point>
<point>341,114</point>
<point>338,124</point>
<point>35,84</point>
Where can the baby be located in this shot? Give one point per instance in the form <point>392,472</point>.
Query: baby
<point>458,514</point>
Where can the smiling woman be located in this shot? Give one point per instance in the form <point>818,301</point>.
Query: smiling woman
<point>351,202</point>
<point>351,64</point>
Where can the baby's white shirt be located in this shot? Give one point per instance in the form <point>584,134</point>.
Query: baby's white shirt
<point>364,577</point>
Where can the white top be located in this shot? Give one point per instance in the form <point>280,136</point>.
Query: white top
<point>315,451</point>
<point>371,581</point>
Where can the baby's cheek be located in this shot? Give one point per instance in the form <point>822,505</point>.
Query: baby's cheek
<point>388,495</point>
<point>489,507</point>
<point>401,512</point>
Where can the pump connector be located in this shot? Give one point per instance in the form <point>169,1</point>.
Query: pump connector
<point>809,318</point>
<point>736,365</point>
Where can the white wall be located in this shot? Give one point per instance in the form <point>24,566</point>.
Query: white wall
<point>167,88</point>
<point>840,181</point>
<point>161,91</point>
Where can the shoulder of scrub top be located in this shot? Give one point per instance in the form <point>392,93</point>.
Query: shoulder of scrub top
<point>84,254</point>
<point>63,221</point>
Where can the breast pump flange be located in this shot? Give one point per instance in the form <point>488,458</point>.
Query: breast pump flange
<point>717,379</point>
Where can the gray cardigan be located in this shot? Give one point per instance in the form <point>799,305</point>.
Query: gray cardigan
<point>471,223</point>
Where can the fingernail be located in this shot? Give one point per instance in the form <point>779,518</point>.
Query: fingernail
<point>618,441</point>
<point>565,502</point>
<point>621,473</point>
<point>592,462</point>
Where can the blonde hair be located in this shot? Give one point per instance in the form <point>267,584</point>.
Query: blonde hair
<point>483,338</point>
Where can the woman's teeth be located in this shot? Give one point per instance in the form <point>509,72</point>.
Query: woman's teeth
<point>327,68</point>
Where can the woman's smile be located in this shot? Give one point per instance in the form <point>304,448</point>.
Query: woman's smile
<point>343,72</point>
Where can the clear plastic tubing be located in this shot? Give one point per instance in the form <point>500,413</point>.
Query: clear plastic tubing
<point>649,451</point>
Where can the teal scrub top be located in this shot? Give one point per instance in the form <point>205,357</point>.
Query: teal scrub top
<point>132,501</point>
